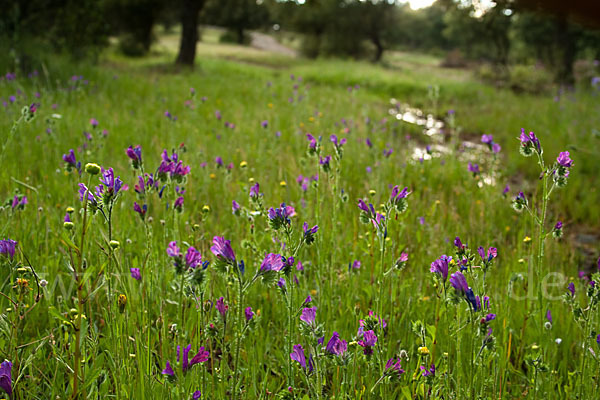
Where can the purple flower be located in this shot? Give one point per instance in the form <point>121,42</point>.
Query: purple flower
<point>281,215</point>
<point>222,249</point>
<point>324,162</point>
<point>8,246</point>
<point>135,154</point>
<point>6,377</point>
<point>312,142</point>
<point>221,306</point>
<point>564,160</point>
<point>558,226</point>
<point>309,233</point>
<point>196,395</point>
<point>93,122</point>
<point>308,315</point>
<point>393,366</point>
<point>173,250</point>
<point>193,258</point>
<point>249,313</point>
<point>397,194</point>
<point>83,190</point>
<point>549,316</point>
<point>363,206</point>
<point>254,190</point>
<point>140,210</point>
<point>491,253</point>
<point>178,204</point>
<point>496,148</point>
<point>281,283</point>
<point>529,141</point>
<point>67,218</point>
<point>264,123</point>
<point>168,370</point>
<point>571,288</point>
<point>219,161</point>
<point>112,184</point>
<point>368,341</point>
<point>487,139</point>
<point>598,339</point>
<point>356,264</point>
<point>428,372</point>
<point>459,282</point>
<point>336,346</point>
<point>235,207</point>
<point>459,244</point>
<point>506,189</point>
<point>298,355</point>
<point>474,168</point>
<point>440,266</point>
<point>488,318</point>
<point>272,262</point>
<point>135,273</point>
<point>71,161</point>
<point>368,142</point>
<point>336,143</point>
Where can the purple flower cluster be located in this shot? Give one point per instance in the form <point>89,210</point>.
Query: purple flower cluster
<point>8,247</point>
<point>201,356</point>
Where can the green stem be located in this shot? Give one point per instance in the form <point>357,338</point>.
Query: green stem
<point>234,389</point>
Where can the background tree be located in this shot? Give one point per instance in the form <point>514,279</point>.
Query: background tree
<point>190,10</point>
<point>236,15</point>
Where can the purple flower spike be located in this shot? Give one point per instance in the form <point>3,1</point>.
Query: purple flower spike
<point>135,273</point>
<point>298,355</point>
<point>222,249</point>
<point>368,341</point>
<point>173,250</point>
<point>221,306</point>
<point>487,139</point>
<point>336,346</point>
<point>249,313</point>
<point>549,316</point>
<point>6,377</point>
<point>564,160</point>
<point>440,266</point>
<point>168,370</point>
<point>272,262</point>
<point>459,282</point>
<point>193,258</point>
<point>393,366</point>
<point>8,246</point>
<point>308,315</point>
<point>254,190</point>
<point>571,288</point>
<point>134,153</point>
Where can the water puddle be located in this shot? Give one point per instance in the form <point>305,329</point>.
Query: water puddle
<point>442,141</point>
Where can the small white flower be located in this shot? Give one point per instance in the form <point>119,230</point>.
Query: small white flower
<point>558,340</point>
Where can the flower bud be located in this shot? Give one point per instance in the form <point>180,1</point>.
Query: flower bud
<point>122,302</point>
<point>68,225</point>
<point>114,244</point>
<point>92,169</point>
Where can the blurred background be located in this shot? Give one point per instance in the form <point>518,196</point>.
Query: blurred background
<point>527,45</point>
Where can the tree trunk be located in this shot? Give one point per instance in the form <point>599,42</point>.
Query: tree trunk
<point>378,48</point>
<point>240,34</point>
<point>567,51</point>
<point>189,31</point>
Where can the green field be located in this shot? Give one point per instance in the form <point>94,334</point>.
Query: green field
<point>118,347</point>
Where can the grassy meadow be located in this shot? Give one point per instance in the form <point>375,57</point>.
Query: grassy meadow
<point>77,323</point>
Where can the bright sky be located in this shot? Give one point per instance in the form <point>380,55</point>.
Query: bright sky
<point>416,4</point>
